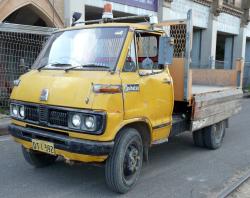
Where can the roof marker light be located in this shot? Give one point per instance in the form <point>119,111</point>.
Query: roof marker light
<point>107,12</point>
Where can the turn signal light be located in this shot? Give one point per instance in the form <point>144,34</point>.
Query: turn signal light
<point>107,88</point>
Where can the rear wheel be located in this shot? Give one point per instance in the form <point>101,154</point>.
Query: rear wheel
<point>38,159</point>
<point>198,138</point>
<point>213,135</point>
<point>124,164</point>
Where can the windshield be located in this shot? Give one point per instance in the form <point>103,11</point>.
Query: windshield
<point>85,48</point>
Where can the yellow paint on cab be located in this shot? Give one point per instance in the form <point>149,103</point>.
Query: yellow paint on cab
<point>67,155</point>
<point>152,104</point>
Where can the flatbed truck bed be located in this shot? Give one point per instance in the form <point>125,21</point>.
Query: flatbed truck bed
<point>203,89</point>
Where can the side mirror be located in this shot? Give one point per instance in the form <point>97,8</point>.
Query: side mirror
<point>76,16</point>
<point>166,50</point>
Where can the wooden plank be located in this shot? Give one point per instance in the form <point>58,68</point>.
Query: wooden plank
<point>217,77</point>
<point>176,70</point>
<point>206,99</point>
<point>199,124</point>
<point>201,89</point>
<point>201,113</point>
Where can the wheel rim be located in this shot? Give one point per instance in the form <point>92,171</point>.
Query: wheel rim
<point>132,161</point>
<point>218,132</point>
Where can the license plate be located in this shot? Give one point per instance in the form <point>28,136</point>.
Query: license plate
<point>43,146</point>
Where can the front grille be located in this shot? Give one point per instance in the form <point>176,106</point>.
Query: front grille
<point>43,114</point>
<point>58,117</point>
<point>31,113</point>
<point>46,115</point>
<point>49,116</point>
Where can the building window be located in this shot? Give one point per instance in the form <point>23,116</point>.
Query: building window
<point>231,2</point>
<point>224,51</point>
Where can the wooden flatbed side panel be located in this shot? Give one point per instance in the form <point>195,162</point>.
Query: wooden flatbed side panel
<point>176,70</point>
<point>206,99</point>
<point>199,124</point>
<point>213,107</point>
<point>214,77</point>
<point>202,113</point>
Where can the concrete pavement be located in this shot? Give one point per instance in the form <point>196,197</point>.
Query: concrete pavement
<point>175,170</point>
<point>4,122</point>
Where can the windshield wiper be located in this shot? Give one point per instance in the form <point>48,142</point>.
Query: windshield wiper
<point>87,65</point>
<point>55,64</point>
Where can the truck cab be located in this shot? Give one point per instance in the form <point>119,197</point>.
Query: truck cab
<point>104,93</point>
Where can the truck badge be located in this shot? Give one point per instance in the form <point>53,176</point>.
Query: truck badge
<point>132,88</point>
<point>44,95</point>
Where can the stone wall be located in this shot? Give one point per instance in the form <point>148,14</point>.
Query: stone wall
<point>44,8</point>
<point>59,7</point>
<point>178,10</point>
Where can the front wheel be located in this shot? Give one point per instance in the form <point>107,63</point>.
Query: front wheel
<point>124,164</point>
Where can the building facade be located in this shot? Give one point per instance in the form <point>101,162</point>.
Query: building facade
<point>221,31</point>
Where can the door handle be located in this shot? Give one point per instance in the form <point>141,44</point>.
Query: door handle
<point>166,80</point>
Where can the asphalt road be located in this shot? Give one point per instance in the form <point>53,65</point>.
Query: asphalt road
<point>176,169</point>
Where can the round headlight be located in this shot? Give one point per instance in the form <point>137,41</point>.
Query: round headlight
<point>21,111</point>
<point>14,110</point>
<point>89,122</point>
<point>76,120</point>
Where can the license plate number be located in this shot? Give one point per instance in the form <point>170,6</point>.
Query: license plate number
<point>43,146</point>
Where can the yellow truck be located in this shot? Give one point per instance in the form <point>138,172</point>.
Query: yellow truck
<point>105,92</point>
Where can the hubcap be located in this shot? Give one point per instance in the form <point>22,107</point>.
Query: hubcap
<point>132,161</point>
<point>218,131</point>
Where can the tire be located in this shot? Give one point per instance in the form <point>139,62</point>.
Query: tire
<point>213,135</point>
<point>38,159</point>
<point>198,138</point>
<point>123,167</point>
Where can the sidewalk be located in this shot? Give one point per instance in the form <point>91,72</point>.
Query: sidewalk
<point>4,122</point>
<point>241,192</point>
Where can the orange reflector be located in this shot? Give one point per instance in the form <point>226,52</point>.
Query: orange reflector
<point>107,88</point>
<point>108,7</point>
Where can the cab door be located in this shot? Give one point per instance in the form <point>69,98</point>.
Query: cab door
<point>148,88</point>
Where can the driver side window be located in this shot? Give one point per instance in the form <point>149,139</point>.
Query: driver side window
<point>147,48</point>
<point>130,63</point>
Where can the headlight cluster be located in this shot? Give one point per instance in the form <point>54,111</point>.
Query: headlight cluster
<point>83,121</point>
<point>17,111</point>
<point>86,122</point>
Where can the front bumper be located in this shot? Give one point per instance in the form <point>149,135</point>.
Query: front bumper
<point>62,141</point>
